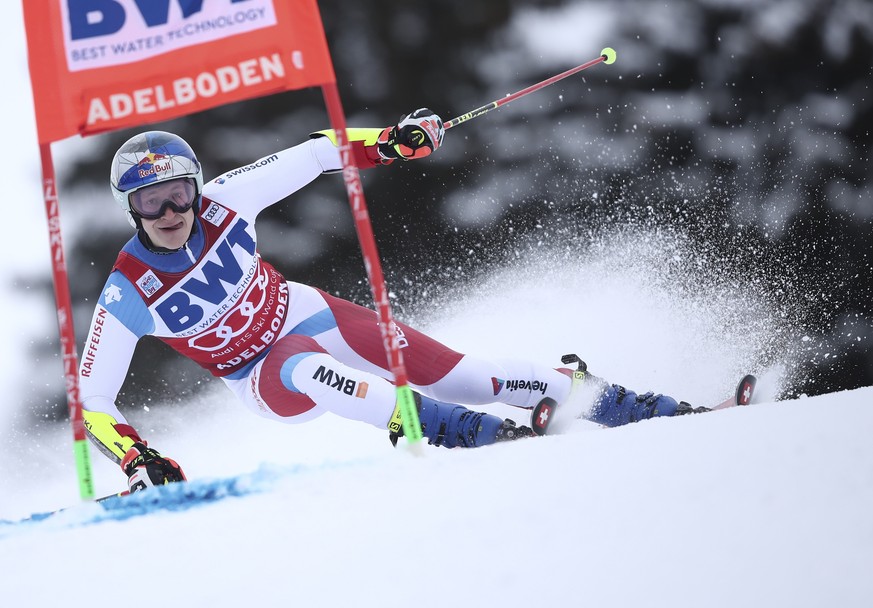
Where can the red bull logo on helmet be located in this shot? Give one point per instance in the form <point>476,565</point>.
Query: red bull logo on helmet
<point>151,168</point>
<point>150,158</point>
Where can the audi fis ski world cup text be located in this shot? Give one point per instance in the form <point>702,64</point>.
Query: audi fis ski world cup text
<point>264,332</point>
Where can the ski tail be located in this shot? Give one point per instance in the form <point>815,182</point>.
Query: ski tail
<point>541,416</point>
<point>746,389</point>
<point>744,394</point>
<point>547,410</point>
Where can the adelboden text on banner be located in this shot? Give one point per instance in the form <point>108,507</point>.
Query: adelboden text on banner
<point>98,65</point>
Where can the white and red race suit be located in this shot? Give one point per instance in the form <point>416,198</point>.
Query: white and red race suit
<point>288,351</point>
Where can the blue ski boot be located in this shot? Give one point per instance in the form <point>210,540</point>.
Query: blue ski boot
<point>593,399</point>
<point>451,425</point>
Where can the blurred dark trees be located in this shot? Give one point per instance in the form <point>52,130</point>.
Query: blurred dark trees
<point>750,121</point>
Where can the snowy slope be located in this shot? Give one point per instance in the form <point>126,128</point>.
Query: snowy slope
<point>760,506</point>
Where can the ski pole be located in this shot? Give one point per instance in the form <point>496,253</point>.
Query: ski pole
<point>607,56</point>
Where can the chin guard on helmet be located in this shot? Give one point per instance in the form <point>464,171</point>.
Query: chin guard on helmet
<point>150,158</point>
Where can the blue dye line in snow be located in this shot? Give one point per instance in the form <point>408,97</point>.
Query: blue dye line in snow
<point>172,497</point>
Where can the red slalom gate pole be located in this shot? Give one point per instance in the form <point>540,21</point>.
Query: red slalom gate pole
<point>65,323</point>
<point>373,265</point>
<point>607,56</point>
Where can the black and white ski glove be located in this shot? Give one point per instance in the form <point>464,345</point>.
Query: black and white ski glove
<point>145,467</point>
<point>416,135</point>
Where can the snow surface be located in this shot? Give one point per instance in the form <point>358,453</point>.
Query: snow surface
<point>761,506</point>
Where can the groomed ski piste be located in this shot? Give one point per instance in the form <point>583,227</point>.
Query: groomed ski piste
<point>761,506</point>
<point>766,505</point>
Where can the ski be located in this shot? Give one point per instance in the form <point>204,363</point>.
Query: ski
<point>541,417</point>
<point>743,395</point>
<point>180,496</point>
<point>46,514</point>
<point>546,411</point>
<point>124,505</point>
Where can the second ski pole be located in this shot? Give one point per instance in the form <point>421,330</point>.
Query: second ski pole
<point>607,56</point>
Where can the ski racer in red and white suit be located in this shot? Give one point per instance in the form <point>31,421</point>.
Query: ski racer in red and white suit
<point>289,352</point>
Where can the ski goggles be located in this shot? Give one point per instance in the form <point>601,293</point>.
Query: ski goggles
<point>152,201</point>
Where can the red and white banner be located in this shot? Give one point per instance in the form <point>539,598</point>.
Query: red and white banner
<point>98,65</point>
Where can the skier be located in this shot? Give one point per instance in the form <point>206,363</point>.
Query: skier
<point>192,277</point>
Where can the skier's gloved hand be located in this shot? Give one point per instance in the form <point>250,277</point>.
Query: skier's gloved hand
<point>145,467</point>
<point>416,135</point>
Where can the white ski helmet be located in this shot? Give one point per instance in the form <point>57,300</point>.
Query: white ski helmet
<point>149,158</point>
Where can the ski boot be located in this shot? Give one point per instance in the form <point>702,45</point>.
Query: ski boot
<point>594,399</point>
<point>451,425</point>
